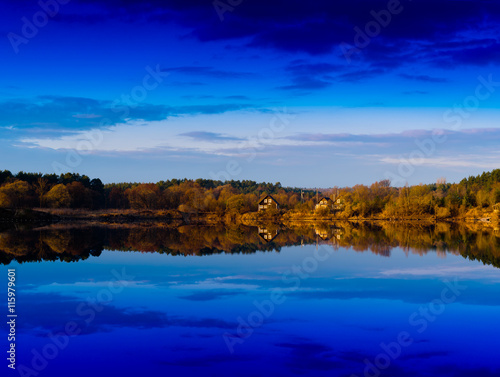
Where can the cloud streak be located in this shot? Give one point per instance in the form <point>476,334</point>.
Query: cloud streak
<point>77,113</point>
<point>207,72</point>
<point>467,27</point>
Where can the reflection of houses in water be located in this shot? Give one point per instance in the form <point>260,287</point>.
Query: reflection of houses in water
<point>338,233</point>
<point>267,234</point>
<point>327,235</point>
<point>322,233</point>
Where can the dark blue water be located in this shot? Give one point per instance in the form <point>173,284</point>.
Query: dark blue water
<point>302,311</point>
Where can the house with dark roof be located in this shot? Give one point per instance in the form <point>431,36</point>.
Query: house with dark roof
<point>325,203</point>
<point>268,202</point>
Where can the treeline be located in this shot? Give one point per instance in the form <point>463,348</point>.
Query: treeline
<point>31,190</point>
<point>473,196</point>
<point>35,190</point>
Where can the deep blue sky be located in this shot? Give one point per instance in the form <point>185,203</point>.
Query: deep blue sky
<point>263,91</point>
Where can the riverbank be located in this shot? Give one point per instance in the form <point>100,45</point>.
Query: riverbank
<point>124,216</point>
<point>291,217</point>
<point>176,217</point>
<point>26,215</point>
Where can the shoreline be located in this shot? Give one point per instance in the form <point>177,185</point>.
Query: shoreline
<point>176,217</point>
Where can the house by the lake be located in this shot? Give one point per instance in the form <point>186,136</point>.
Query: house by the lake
<point>325,203</point>
<point>338,204</point>
<point>268,202</point>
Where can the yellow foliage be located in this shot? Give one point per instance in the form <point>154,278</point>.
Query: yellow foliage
<point>58,197</point>
<point>12,194</point>
<point>442,213</point>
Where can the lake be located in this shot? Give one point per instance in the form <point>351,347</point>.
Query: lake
<point>317,300</point>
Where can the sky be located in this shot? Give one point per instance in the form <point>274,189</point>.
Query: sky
<point>309,94</point>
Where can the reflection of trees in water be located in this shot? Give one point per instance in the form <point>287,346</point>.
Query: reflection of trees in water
<point>72,242</point>
<point>65,245</point>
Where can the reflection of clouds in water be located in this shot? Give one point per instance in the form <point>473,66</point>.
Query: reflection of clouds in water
<point>247,277</point>
<point>216,283</point>
<point>211,295</point>
<point>474,272</point>
<point>457,371</point>
<point>424,355</point>
<point>201,282</point>
<point>207,360</point>
<point>403,290</point>
<point>399,366</point>
<point>49,312</point>
<point>305,355</point>
<point>102,284</point>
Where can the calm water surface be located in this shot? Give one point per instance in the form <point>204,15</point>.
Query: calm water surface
<point>324,300</point>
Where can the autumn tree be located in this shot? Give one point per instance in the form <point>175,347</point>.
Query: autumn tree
<point>144,196</point>
<point>58,197</point>
<point>79,194</point>
<point>12,195</point>
<point>117,198</point>
<point>237,203</point>
<point>41,188</point>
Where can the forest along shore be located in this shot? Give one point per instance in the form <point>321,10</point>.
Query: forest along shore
<point>73,196</point>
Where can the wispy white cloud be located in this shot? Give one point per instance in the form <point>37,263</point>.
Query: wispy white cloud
<point>489,160</point>
<point>87,116</point>
<point>213,135</point>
